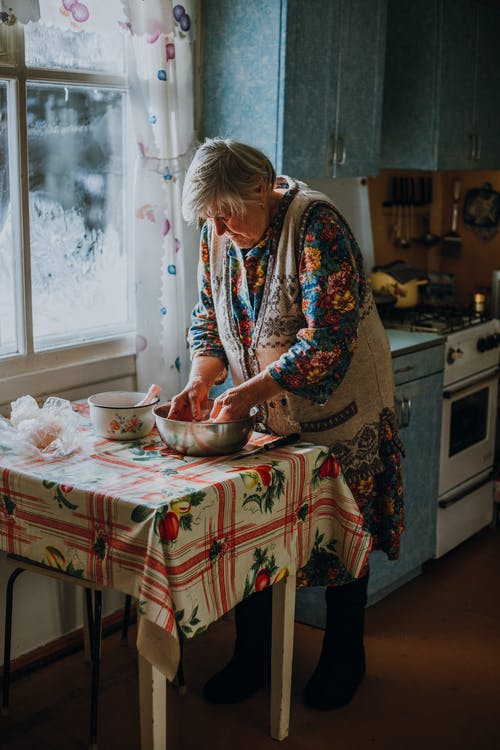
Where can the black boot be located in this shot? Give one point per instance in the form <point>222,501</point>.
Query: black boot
<point>250,665</point>
<point>341,666</point>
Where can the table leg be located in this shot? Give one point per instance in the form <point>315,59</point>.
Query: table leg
<point>282,655</point>
<point>87,618</point>
<point>153,706</point>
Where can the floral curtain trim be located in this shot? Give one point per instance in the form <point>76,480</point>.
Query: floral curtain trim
<point>89,14</point>
<point>19,11</point>
<point>161,88</point>
<point>150,19</point>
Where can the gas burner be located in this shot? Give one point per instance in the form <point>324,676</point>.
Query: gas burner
<point>442,320</point>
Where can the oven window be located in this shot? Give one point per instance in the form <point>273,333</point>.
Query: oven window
<point>469,421</point>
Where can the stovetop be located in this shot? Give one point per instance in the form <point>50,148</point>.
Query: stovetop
<point>441,320</point>
<point>472,341</point>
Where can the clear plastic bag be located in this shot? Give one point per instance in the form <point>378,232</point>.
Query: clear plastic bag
<point>50,431</point>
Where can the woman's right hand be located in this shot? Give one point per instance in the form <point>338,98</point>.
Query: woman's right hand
<point>188,404</point>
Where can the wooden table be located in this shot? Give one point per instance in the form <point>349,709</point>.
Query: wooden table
<point>187,537</point>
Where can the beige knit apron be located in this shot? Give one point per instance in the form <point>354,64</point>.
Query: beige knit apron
<point>351,419</point>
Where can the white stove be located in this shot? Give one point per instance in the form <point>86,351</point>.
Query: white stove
<point>465,503</point>
<point>471,369</point>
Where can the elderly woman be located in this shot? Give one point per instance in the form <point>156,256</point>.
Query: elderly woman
<point>284,304</point>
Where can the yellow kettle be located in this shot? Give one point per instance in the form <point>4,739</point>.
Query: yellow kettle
<point>406,292</point>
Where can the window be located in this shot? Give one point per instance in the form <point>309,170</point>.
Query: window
<point>65,256</point>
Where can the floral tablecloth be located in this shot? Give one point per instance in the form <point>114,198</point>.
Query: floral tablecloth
<point>188,537</point>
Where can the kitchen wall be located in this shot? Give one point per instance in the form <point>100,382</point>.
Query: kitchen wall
<point>45,610</point>
<point>472,263</point>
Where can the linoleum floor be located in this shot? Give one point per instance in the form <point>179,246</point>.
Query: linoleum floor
<point>432,683</point>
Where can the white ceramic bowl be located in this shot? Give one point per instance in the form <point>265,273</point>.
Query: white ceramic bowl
<point>114,416</point>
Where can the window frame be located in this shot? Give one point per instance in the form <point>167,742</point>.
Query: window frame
<point>66,369</point>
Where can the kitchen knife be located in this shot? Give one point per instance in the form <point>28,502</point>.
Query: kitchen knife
<point>250,449</point>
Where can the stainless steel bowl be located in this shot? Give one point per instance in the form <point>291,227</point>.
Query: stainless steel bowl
<point>204,438</point>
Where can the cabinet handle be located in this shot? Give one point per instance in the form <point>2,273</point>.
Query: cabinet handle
<point>403,409</point>
<point>477,156</point>
<point>472,153</point>
<point>331,152</point>
<point>408,411</point>
<point>408,368</point>
<point>340,146</point>
<point>475,149</point>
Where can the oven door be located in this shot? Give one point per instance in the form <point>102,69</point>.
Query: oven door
<point>463,512</point>
<point>468,429</point>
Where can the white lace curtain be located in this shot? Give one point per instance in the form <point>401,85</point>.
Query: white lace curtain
<point>161,34</point>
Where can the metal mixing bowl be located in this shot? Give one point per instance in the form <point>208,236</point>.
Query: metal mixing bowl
<point>204,438</point>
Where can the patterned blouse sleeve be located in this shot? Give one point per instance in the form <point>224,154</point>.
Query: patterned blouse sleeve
<point>203,333</point>
<point>329,278</point>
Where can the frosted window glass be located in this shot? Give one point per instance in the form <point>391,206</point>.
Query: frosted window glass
<point>51,47</point>
<point>8,339</point>
<point>77,238</point>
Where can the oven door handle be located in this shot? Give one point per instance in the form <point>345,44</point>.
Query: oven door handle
<point>466,492</point>
<point>449,392</point>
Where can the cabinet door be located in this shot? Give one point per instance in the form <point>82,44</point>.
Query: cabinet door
<point>332,107</point>
<point>308,107</point>
<point>241,71</point>
<point>357,125</point>
<point>421,437</point>
<point>428,116</point>
<point>409,116</point>
<point>409,130</point>
<point>299,79</point>
<point>488,88</point>
<point>420,433</point>
<point>457,94</point>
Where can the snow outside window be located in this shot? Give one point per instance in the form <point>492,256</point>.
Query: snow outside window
<point>65,259</point>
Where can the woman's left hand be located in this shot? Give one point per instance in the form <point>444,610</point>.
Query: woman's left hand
<point>230,405</point>
<point>236,402</point>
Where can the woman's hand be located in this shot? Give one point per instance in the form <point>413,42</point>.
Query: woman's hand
<point>188,404</point>
<point>230,405</point>
<point>191,403</point>
<point>236,402</point>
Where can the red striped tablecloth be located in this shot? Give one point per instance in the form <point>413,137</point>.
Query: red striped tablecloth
<point>188,537</point>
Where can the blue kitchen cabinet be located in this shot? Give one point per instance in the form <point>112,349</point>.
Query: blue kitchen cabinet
<point>299,79</point>
<point>439,109</point>
<point>418,375</point>
<point>419,396</point>
<point>488,88</point>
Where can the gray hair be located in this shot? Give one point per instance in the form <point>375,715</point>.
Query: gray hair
<point>223,177</point>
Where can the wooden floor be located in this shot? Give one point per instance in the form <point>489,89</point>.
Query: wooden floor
<point>433,679</point>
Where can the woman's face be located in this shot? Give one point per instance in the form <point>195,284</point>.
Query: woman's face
<point>245,231</point>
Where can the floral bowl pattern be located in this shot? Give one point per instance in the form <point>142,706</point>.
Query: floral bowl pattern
<point>115,416</point>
